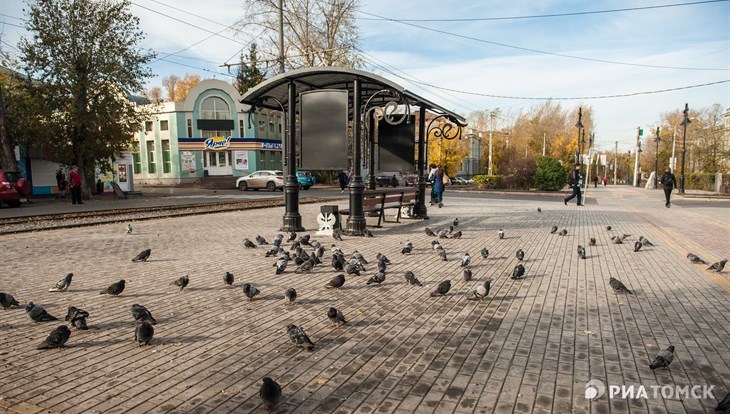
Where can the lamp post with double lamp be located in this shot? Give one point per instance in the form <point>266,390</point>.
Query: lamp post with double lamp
<point>684,123</point>
<point>578,125</point>
<point>656,159</point>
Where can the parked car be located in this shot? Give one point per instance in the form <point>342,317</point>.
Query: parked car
<point>410,180</point>
<point>269,179</point>
<point>13,188</point>
<point>306,179</point>
<point>387,181</point>
<point>458,181</point>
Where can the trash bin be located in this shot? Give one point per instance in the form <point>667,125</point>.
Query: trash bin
<point>328,219</point>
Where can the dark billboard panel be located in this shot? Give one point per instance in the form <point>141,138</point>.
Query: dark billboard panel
<point>323,127</point>
<point>396,145</point>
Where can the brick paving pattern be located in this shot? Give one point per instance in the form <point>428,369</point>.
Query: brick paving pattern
<point>531,347</point>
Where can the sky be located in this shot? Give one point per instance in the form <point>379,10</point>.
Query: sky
<point>503,57</point>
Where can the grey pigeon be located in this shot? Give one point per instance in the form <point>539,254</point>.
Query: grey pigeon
<point>695,259</point>
<point>228,278</point>
<point>337,234</point>
<point>273,251</point>
<point>407,249</point>
<point>382,258</point>
<point>336,317</point>
<point>485,253</point>
<point>305,267</point>
<point>278,239</point>
<point>368,233</point>
<point>520,254</point>
<point>290,295</point>
<point>250,291</point>
<point>115,288</point>
<point>336,282</point>
<point>281,265</point>
<point>304,240</point>
<point>581,252</point>
<point>352,269</point>
<point>141,314</point>
<point>539,210</point>
<point>411,279</point>
<point>645,241</point>
<point>467,275</point>
<point>57,338</point>
<point>38,313</point>
<point>592,242</point>
<point>442,253</point>
<point>181,282</point>
<point>77,317</point>
<point>637,246</point>
<point>435,244</point>
<point>563,232</point>
<point>608,228</point>
<point>357,255</point>
<point>292,236</point>
<point>501,234</point>
<point>260,240</point>
<point>456,222</point>
<point>465,260</point>
<point>129,229</point>
<point>553,229</point>
<point>663,358</point>
<point>295,245</point>
<point>382,266</point>
<point>481,291</point>
<point>319,253</point>
<point>377,278</point>
<point>625,236</point>
<point>298,260</point>
<point>718,266</point>
<point>270,393</point>
<point>518,272</point>
<point>143,333</point>
<point>443,234</point>
<point>618,287</point>
<point>299,338</point>
<point>63,284</point>
<point>430,232</point>
<point>7,300</point>
<point>338,263</point>
<point>724,404</point>
<point>248,244</point>
<point>617,240</point>
<point>456,235</point>
<point>315,244</point>
<point>442,288</point>
<point>142,256</point>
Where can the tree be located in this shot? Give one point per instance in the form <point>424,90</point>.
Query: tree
<point>316,33</point>
<point>170,84</point>
<point>550,175</point>
<point>448,153</point>
<point>249,74</point>
<point>85,61</point>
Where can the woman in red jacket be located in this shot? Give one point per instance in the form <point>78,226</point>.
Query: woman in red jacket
<point>74,180</point>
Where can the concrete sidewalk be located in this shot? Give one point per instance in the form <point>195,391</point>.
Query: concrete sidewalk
<point>531,347</point>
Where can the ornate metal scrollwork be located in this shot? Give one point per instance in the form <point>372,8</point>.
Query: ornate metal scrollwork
<point>387,112</point>
<point>444,130</point>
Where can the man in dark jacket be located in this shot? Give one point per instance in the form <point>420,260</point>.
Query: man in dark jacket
<point>575,182</point>
<point>669,182</point>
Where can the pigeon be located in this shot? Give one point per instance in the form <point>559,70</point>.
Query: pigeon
<point>481,292</point>
<point>63,284</point>
<point>625,236</point>
<point>336,317</point>
<point>377,278</point>
<point>298,260</point>
<point>7,300</point>
<point>270,393</point>
<point>451,229</point>
<point>305,267</point>
<point>280,265</point>
<point>563,232</point>
<point>115,288</point>
<point>442,253</point>
<point>501,234</point>
<point>250,291</point>
<point>304,240</point>
<point>129,229</point>
<point>260,240</point>
<point>228,278</point>
<point>352,269</point>
<point>436,245</point>
<point>617,240</point>
<point>295,245</point>
<point>467,275</point>
<point>465,260</point>
<point>539,210</point>
<point>430,232</point>
<point>57,338</point>
<point>456,235</point>
<point>645,242</point>
<point>143,333</point>
<point>520,254</point>
<point>319,253</point>
<point>382,266</point>
<point>337,234</point>
<point>382,258</point>
<point>315,244</point>
<point>663,358</point>
<point>38,313</point>
<point>290,295</point>
<point>338,263</point>
<point>292,236</point>
<point>695,259</point>
<point>357,255</point>
<point>485,253</point>
<point>181,282</point>
<point>273,251</point>
<point>278,239</point>
<point>77,317</point>
<point>592,242</point>
<point>442,288</point>
<point>299,337</point>
<point>637,246</point>
<point>411,279</point>
<point>368,233</point>
<point>608,228</point>
<point>518,272</point>
<point>724,404</point>
<point>336,282</point>
<point>618,287</point>
<point>408,248</point>
<point>553,229</point>
<point>141,314</point>
<point>718,266</point>
<point>248,244</point>
<point>443,234</point>
<point>581,252</point>
<point>142,256</point>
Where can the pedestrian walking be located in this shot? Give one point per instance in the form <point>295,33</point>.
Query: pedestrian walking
<point>439,185</point>
<point>595,181</point>
<point>342,178</point>
<point>575,181</point>
<point>669,182</point>
<point>605,181</point>
<point>431,178</point>
<point>74,180</point>
<point>62,183</point>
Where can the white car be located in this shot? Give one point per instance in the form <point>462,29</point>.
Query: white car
<point>269,179</point>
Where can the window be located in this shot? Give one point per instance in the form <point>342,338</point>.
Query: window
<point>214,108</point>
<point>190,128</point>
<point>241,129</point>
<point>151,165</point>
<point>148,126</point>
<point>136,159</point>
<point>166,162</point>
<point>164,125</point>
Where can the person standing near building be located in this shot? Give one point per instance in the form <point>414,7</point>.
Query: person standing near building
<point>431,178</point>
<point>74,180</point>
<point>439,186</point>
<point>669,182</point>
<point>576,180</point>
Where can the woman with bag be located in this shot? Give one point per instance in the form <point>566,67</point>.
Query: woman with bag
<point>439,184</point>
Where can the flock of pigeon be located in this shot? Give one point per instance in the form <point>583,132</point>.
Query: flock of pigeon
<point>306,262</point>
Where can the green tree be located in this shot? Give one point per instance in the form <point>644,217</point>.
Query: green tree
<point>249,74</point>
<point>85,59</point>
<point>550,175</point>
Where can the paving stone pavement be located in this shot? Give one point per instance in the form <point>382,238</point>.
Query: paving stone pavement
<point>531,347</point>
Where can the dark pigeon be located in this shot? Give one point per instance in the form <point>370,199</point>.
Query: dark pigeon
<point>695,259</point>
<point>336,317</point>
<point>481,292</point>
<point>466,274</point>
<point>618,287</point>
<point>377,278</point>
<point>281,265</point>
<point>592,242</point>
<point>637,246</point>
<point>352,269</point>
<point>298,337</point>
<point>724,404</point>
<point>7,300</point>
<point>411,278</point>
<point>518,272</point>
<point>272,251</point>
<point>553,229</point>
<point>337,234</point>
<point>57,338</point>
<point>338,263</point>
<point>501,234</point>
<point>181,282</point>
<point>304,240</point>
<point>250,291</point>
<point>645,242</point>
<point>278,239</point>
<point>456,235</point>
<point>290,295</point>
<point>38,313</point>
<point>368,233</point>
<point>248,244</point>
<point>442,288</point>
<point>520,255</point>
<point>141,314</point>
<point>228,278</point>
<point>336,282</point>
<point>563,232</point>
<point>292,236</point>
<point>663,359</point>
<point>407,249</point>
<point>456,222</point>
<point>382,258</point>
<point>305,267</point>
<point>581,252</point>
<point>430,232</point>
<point>270,393</point>
<point>77,317</point>
<point>142,256</point>
<point>129,229</point>
<point>115,288</point>
<point>485,253</point>
<point>718,266</point>
<point>63,284</point>
<point>539,210</point>
<point>382,266</point>
<point>465,260</point>
<point>143,334</point>
<point>260,240</point>
<point>608,228</point>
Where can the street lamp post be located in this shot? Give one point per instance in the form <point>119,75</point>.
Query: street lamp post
<point>579,125</point>
<point>656,159</point>
<point>684,123</point>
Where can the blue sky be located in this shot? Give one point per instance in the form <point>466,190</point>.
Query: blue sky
<point>688,36</point>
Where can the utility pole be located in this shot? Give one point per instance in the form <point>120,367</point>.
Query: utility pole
<point>281,36</point>
<point>543,144</point>
<point>490,153</point>
<point>673,162</point>
<point>636,161</point>
<point>656,159</point>
<point>685,122</point>
<point>615,165</point>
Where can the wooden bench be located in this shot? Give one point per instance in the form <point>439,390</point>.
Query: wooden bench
<point>381,200</point>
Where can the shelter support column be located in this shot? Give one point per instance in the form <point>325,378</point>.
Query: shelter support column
<point>292,217</point>
<point>420,210</point>
<point>356,221</point>
<point>371,183</point>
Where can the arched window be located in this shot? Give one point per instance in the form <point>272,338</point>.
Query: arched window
<point>214,108</point>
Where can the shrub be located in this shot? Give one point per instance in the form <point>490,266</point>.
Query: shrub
<point>487,182</point>
<point>518,172</point>
<point>550,174</point>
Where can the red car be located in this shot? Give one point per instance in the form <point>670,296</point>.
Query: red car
<point>13,187</point>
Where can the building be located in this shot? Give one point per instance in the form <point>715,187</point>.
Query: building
<point>209,134</point>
